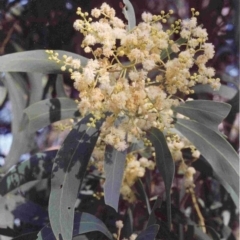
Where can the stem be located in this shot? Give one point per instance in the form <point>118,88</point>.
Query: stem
<point>119,233</point>
<point>9,34</point>
<point>195,204</point>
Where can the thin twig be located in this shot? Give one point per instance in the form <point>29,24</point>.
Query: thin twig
<point>6,40</point>
<point>195,204</point>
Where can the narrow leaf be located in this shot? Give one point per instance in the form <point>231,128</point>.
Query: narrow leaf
<point>198,233</point>
<point>83,223</point>
<point>140,148</point>
<point>60,86</point>
<point>38,167</point>
<point>45,112</point>
<point>143,194</point>
<point>217,151</point>
<point>26,236</point>
<point>165,164</point>
<point>22,141</point>
<point>213,233</point>
<point>34,61</point>
<point>228,188</point>
<point>208,113</point>
<point>7,232</point>
<point>224,90</point>
<point>149,233</point>
<point>152,217</point>
<point>36,87</point>
<point>225,77</point>
<point>3,94</point>
<point>113,167</point>
<point>129,14</point>
<point>68,172</point>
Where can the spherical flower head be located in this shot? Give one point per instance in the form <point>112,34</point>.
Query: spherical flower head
<point>76,75</point>
<point>148,64</point>
<point>78,25</point>
<point>196,154</point>
<point>107,10</point>
<point>125,189</point>
<point>133,236</point>
<point>147,17</point>
<point>208,50</point>
<point>144,162</point>
<point>117,22</point>
<point>140,172</point>
<point>96,13</point>
<point>191,170</point>
<point>89,40</point>
<point>89,75</point>
<point>121,146</point>
<point>133,75</point>
<point>185,33</point>
<point>76,63</point>
<point>151,165</point>
<point>200,32</point>
<point>193,22</point>
<point>119,224</point>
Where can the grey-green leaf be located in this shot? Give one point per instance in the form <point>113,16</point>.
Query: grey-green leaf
<point>143,194</point>
<point>34,61</point>
<point>206,112</point>
<point>83,223</point>
<point>198,233</point>
<point>113,167</point>
<point>224,91</point>
<point>60,86</point>
<point>22,141</point>
<point>149,233</point>
<point>68,172</point>
<point>38,167</point>
<point>165,164</point>
<point>129,14</point>
<point>3,94</point>
<point>217,151</point>
<point>45,112</point>
<point>152,217</point>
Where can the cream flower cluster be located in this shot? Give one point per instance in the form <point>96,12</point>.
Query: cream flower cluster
<point>135,168</point>
<point>118,79</point>
<point>134,79</point>
<point>177,144</point>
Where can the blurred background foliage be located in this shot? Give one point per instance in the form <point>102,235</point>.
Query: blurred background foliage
<point>45,24</point>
